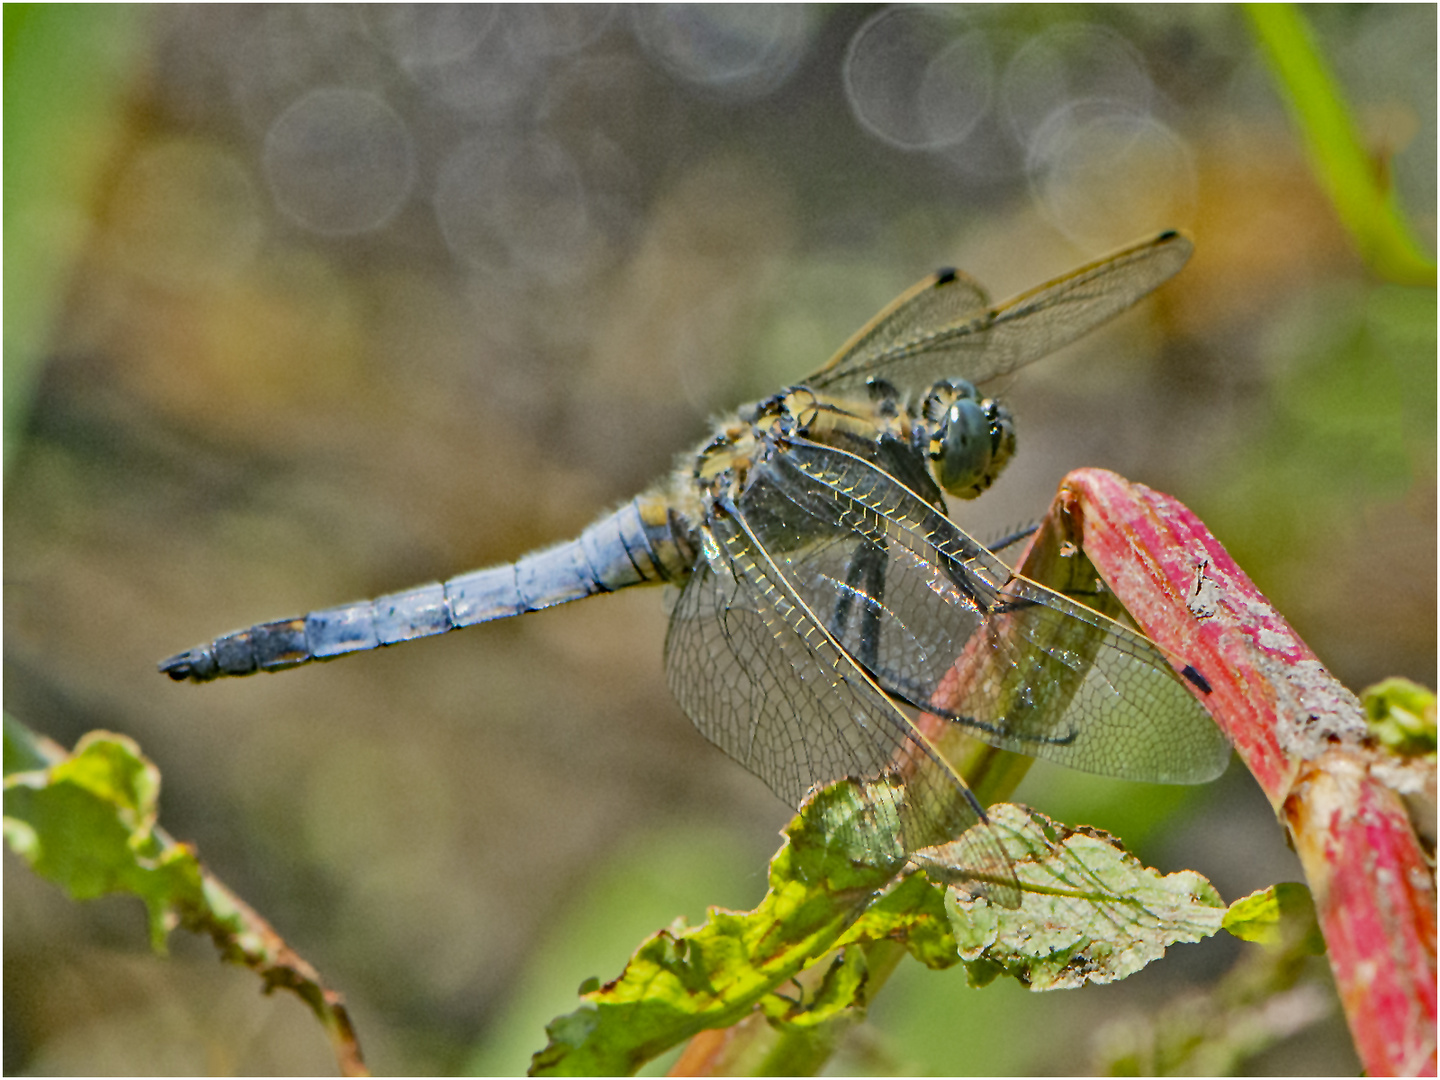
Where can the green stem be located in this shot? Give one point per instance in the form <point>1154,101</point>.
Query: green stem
<point>1358,186</point>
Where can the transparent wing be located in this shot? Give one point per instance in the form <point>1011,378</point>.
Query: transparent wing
<point>945,328</point>
<point>941,624</point>
<point>767,684</point>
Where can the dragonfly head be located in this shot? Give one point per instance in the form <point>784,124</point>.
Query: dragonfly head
<point>968,439</point>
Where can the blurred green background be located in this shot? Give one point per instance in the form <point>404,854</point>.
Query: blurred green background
<point>308,304</point>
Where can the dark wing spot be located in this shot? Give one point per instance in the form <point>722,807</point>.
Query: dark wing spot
<point>1196,678</point>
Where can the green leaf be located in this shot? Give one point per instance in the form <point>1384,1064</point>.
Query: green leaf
<point>1282,914</point>
<point>26,750</point>
<point>912,910</point>
<point>86,823</point>
<point>1401,714</point>
<point>1090,911</point>
<point>686,979</point>
<point>841,990</point>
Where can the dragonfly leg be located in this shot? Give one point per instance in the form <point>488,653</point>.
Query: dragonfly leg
<point>1013,538</point>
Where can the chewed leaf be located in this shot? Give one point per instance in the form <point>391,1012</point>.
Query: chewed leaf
<point>683,980</point>
<point>1090,913</point>
<point>1282,914</point>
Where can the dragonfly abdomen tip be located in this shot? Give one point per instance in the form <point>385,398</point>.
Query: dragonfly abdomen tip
<point>195,665</point>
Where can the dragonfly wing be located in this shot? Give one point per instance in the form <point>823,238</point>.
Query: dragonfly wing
<point>764,681</point>
<point>954,633</point>
<point>939,318</point>
<point>945,328</point>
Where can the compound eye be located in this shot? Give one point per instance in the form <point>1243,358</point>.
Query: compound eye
<point>941,394</point>
<point>962,449</point>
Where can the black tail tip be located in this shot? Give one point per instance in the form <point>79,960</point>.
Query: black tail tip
<point>195,665</point>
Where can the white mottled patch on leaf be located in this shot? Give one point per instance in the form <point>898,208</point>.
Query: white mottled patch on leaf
<point>1091,912</point>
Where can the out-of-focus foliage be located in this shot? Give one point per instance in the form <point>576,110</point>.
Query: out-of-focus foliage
<point>1358,186</point>
<point>87,822</point>
<point>266,379</point>
<point>1283,913</point>
<point>1221,1030</point>
<point>66,70</point>
<point>1401,715</point>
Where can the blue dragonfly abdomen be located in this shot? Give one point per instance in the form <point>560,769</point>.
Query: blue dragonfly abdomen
<point>638,544</point>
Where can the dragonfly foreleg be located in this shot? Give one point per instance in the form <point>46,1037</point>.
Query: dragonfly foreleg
<point>1012,538</point>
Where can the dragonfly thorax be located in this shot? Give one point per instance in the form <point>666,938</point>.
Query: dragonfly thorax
<point>968,439</point>
<point>854,423</point>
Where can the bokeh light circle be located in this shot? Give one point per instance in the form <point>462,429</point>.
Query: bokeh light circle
<point>737,51</point>
<point>537,31</point>
<point>501,204</point>
<point>462,202</point>
<point>541,209</point>
<point>918,78</point>
<point>423,35</point>
<point>339,161</point>
<point>1103,174</point>
<point>1069,63</point>
<point>490,85</point>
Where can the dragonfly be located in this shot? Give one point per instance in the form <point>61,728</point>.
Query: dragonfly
<point>826,613</point>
